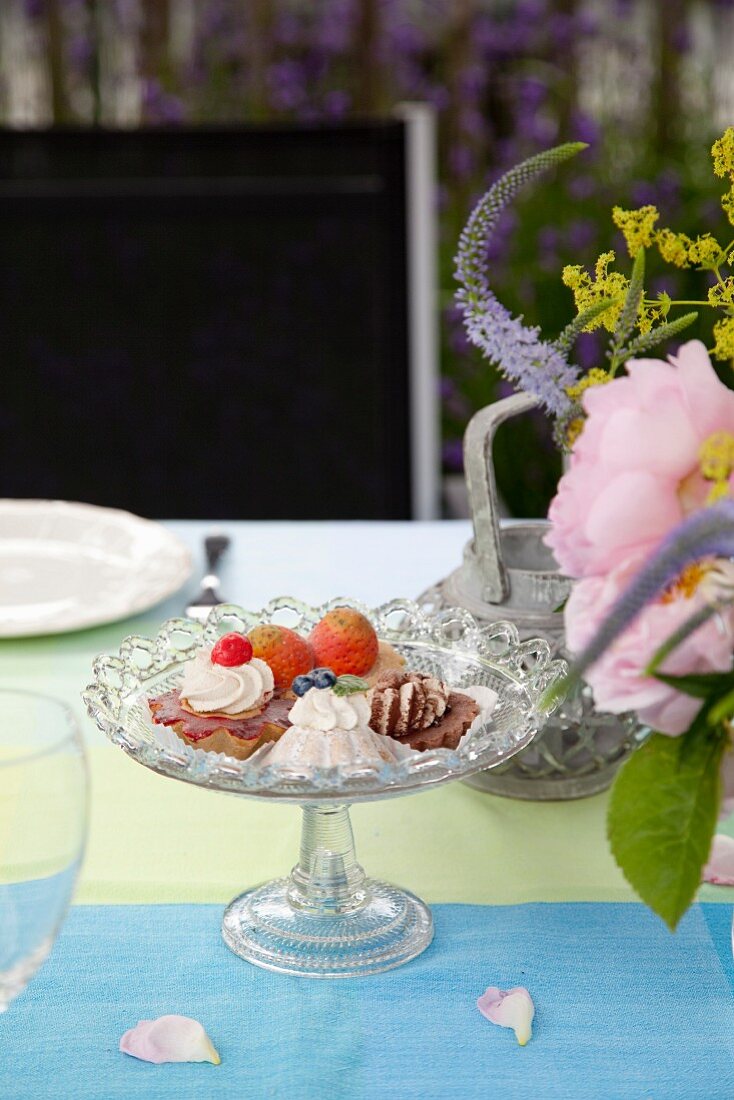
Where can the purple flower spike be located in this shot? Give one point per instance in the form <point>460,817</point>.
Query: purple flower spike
<point>708,533</point>
<point>533,364</point>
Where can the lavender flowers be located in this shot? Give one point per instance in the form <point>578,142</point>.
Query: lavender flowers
<point>534,365</point>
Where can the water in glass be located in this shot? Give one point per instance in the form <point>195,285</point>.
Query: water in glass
<point>43,814</point>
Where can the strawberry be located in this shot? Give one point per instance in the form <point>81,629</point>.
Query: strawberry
<point>345,641</point>
<point>232,650</point>
<point>288,654</point>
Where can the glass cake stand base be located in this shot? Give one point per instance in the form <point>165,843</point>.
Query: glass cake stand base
<point>327,920</point>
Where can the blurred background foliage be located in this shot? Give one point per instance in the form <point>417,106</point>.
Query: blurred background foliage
<point>648,83</point>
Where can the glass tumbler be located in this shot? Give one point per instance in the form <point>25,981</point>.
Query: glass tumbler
<point>43,821</point>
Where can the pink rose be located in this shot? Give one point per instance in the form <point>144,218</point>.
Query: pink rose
<point>634,473</point>
<point>616,678</point>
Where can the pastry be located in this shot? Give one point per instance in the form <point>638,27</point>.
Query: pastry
<point>226,701</point>
<point>420,711</point>
<point>330,725</point>
<point>387,658</point>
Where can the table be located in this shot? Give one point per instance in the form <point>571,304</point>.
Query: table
<point>523,894</point>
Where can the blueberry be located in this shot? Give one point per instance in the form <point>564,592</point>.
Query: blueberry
<point>302,684</point>
<point>323,678</point>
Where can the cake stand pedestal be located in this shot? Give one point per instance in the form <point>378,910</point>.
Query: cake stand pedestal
<point>327,919</point>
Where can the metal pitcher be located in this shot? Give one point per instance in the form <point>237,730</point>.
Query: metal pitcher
<point>509,573</point>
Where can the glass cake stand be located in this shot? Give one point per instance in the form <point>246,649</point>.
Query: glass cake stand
<point>327,919</point>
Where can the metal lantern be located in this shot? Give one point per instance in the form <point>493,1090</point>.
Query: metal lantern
<point>509,573</point>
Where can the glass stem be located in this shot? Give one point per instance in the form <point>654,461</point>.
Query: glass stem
<point>327,881</point>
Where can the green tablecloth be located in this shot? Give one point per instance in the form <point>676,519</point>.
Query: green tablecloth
<point>157,840</point>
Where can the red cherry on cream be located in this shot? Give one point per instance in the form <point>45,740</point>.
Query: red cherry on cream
<point>231,650</point>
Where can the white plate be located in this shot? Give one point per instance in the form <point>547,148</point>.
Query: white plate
<point>64,566</point>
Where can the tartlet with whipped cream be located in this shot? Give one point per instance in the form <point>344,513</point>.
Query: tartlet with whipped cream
<point>330,725</point>
<point>226,701</point>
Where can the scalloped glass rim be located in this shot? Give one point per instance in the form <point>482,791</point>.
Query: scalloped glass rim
<point>449,641</point>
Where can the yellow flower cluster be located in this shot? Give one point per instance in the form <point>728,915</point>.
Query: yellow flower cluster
<point>705,251</point>
<point>722,152</point>
<point>574,430</point>
<point>722,294</point>
<point>673,247</point>
<point>647,317</point>
<point>727,204</point>
<point>716,456</point>
<point>595,377</point>
<point>638,226</point>
<point>724,338</point>
<point>605,286</point>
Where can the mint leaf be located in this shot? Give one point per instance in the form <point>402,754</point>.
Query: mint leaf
<point>662,816</point>
<point>349,685</point>
<point>701,685</point>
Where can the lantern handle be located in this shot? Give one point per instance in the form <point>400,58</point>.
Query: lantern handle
<point>482,488</point>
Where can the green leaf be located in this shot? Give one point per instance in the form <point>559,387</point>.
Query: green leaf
<point>631,307</point>
<point>349,685</point>
<point>662,816</point>
<point>562,604</point>
<point>690,626</point>
<point>722,709</point>
<point>701,685</point>
<point>648,340</point>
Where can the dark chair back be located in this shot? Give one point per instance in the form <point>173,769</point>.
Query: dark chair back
<point>212,323</point>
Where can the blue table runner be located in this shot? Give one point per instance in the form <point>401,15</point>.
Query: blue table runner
<point>624,1010</point>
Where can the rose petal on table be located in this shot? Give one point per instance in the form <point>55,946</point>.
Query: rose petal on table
<point>509,1008</point>
<point>169,1039</point>
<point>720,867</point>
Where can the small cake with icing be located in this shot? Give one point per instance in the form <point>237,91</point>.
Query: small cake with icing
<point>420,711</point>
<point>330,725</point>
<point>226,701</point>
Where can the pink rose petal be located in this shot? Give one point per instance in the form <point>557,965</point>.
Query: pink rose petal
<point>720,868</point>
<point>509,1008</point>
<point>169,1039</point>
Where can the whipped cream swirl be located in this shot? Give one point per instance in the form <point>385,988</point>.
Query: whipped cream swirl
<point>321,709</point>
<point>209,688</point>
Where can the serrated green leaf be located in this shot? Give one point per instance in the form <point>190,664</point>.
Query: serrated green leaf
<point>656,336</point>
<point>349,685</point>
<point>662,816</point>
<point>703,685</point>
